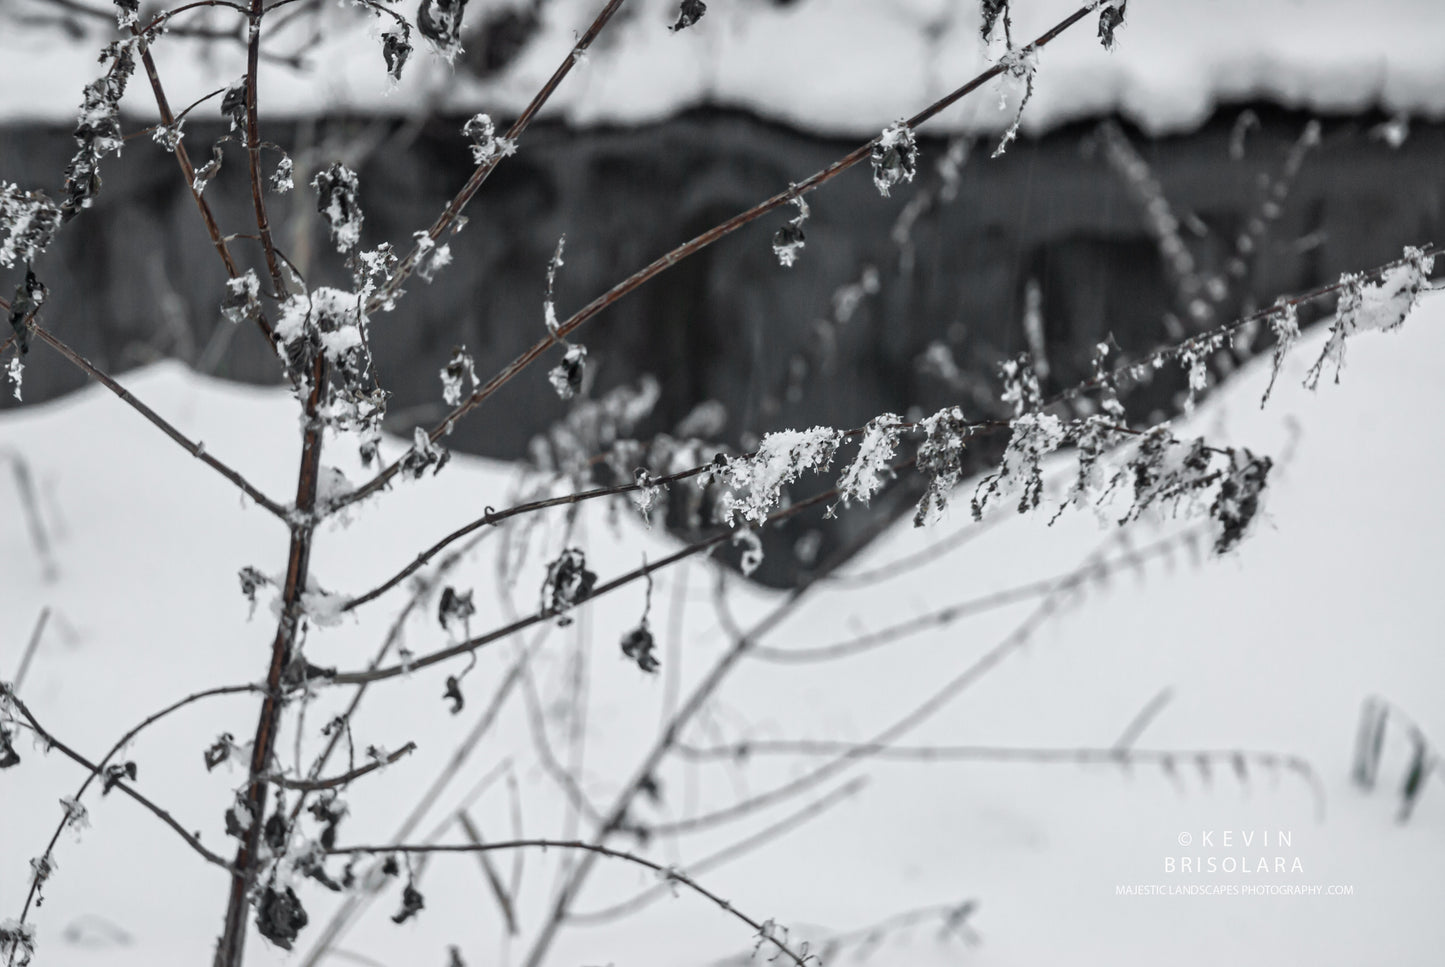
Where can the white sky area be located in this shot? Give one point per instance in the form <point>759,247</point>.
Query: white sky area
<point>833,66</point>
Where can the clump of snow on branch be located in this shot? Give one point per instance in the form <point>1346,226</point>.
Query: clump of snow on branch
<point>873,464</point>
<point>97,131</point>
<point>1380,305</point>
<point>243,298</point>
<point>894,157</point>
<point>1033,437</point>
<point>1284,323</point>
<point>940,459</point>
<point>754,482</point>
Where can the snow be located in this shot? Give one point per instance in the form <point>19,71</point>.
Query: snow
<point>1334,599</point>
<point>836,66</point>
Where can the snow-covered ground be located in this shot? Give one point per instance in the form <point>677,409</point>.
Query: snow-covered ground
<point>838,66</point>
<point>1335,598</point>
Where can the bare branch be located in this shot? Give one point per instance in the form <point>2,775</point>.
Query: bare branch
<point>196,450</point>
<point>670,874</point>
<point>81,760</point>
<point>727,854</point>
<point>316,785</point>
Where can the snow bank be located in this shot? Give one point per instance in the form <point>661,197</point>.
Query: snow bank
<point>1334,599</point>
<point>845,67</point>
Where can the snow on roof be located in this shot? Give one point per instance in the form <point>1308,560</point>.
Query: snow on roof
<point>833,66</point>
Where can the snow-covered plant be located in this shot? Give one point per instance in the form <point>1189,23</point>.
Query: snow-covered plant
<point>284,813</point>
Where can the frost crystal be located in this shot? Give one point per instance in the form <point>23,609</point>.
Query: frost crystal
<point>336,191</point>
<point>487,145</point>
<point>1381,305</point>
<point>1020,385</point>
<point>874,461</point>
<point>28,221</point>
<point>894,157</point>
<point>788,240</point>
<point>755,482</point>
<point>1035,436</point>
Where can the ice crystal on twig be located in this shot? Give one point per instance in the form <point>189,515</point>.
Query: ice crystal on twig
<point>487,145</point>
<point>894,157</point>
<point>788,240</point>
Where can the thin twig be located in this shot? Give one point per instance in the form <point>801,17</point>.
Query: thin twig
<point>197,450</point>
<point>727,854</point>
<point>671,874</point>
<point>494,882</point>
<point>316,785</point>
<point>81,760</point>
<point>30,648</point>
<point>692,247</point>
<point>388,291</point>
